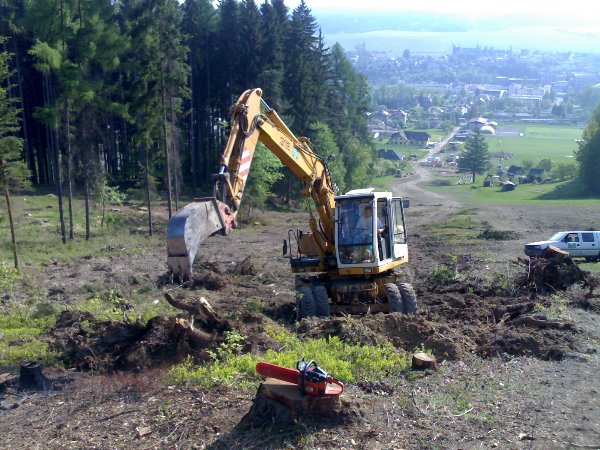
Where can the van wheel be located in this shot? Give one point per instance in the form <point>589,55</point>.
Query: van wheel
<point>409,299</point>
<point>321,300</point>
<point>305,302</point>
<point>394,297</point>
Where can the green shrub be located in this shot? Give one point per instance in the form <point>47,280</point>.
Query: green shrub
<point>344,361</point>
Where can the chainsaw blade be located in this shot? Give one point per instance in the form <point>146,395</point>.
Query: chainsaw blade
<point>278,372</point>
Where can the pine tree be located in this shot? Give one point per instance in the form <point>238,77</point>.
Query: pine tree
<point>198,25</point>
<point>251,42</point>
<point>474,158</point>
<point>13,171</point>
<point>227,65</point>
<point>588,155</point>
<point>274,25</point>
<point>90,78</point>
<point>159,72</point>
<point>303,87</point>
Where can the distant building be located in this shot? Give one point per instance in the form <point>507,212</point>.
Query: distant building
<point>477,123</point>
<point>398,138</point>
<point>414,138</point>
<point>418,138</point>
<point>535,175</point>
<point>514,171</point>
<point>391,154</point>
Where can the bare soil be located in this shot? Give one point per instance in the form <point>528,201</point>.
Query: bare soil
<point>514,371</point>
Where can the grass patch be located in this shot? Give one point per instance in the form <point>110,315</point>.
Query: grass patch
<point>490,234</point>
<point>21,329</point>
<point>590,266</point>
<point>551,194</point>
<point>537,142</point>
<point>38,231</point>
<point>346,362</point>
<point>462,226</point>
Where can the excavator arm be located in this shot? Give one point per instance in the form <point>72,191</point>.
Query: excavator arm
<point>251,121</point>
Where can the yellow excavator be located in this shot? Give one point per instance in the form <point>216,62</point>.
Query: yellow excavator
<point>345,263</point>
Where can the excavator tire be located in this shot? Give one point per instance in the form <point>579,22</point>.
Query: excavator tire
<point>394,297</point>
<point>305,301</point>
<point>409,299</point>
<point>321,300</point>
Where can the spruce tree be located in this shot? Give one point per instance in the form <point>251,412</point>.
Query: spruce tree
<point>13,171</point>
<point>274,25</point>
<point>474,158</point>
<point>303,87</point>
<point>198,25</point>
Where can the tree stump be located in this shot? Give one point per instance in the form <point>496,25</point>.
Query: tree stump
<point>422,361</point>
<point>282,403</point>
<point>32,378</point>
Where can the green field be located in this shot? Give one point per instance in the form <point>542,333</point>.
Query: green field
<point>524,194</point>
<point>538,141</point>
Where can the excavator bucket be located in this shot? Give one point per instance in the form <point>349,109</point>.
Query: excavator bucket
<point>189,228</point>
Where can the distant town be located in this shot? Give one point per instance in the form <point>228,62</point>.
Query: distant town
<point>424,91</point>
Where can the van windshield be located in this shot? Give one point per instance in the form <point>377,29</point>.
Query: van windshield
<point>557,236</point>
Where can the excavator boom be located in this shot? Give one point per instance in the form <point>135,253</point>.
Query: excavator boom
<point>251,121</point>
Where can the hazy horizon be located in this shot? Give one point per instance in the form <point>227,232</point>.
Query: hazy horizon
<point>437,26</point>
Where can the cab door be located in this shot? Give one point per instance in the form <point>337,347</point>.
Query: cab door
<point>398,230</point>
<point>573,242</point>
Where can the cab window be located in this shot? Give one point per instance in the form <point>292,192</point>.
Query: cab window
<point>571,237</point>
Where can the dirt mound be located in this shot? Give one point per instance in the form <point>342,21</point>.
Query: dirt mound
<point>453,324</point>
<point>214,276</point>
<point>86,343</point>
<point>553,271</point>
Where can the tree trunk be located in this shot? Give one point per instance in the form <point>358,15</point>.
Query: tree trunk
<point>12,226</point>
<point>148,202</point>
<point>69,170</point>
<point>175,154</point>
<point>86,195</point>
<point>59,190</point>
<point>191,133</point>
<point>167,155</point>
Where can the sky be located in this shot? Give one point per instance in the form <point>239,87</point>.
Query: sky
<point>570,12</point>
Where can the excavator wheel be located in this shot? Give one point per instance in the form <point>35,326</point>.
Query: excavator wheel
<point>321,300</point>
<point>409,299</point>
<point>305,302</point>
<point>394,297</point>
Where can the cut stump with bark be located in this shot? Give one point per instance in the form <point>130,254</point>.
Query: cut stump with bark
<point>282,403</point>
<point>422,361</point>
<point>32,378</point>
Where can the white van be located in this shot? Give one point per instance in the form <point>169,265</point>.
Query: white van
<point>584,244</point>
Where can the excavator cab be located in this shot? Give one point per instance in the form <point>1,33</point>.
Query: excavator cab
<point>370,231</point>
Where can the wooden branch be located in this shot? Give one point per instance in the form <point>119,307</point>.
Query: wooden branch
<point>179,304</point>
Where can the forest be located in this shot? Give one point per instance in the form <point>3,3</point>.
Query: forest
<point>132,96</point>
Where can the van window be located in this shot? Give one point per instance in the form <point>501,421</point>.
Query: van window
<point>587,237</point>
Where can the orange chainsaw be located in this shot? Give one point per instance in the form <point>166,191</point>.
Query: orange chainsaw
<point>308,376</point>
